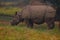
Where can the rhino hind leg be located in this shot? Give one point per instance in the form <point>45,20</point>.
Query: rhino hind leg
<point>50,23</point>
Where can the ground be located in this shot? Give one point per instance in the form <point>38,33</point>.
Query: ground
<point>21,32</point>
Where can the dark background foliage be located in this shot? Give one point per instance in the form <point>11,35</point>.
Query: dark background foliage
<point>25,2</point>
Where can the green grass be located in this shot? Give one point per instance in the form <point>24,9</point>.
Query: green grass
<point>21,32</point>
<point>9,10</point>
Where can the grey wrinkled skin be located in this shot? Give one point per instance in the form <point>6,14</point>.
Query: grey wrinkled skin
<point>36,14</point>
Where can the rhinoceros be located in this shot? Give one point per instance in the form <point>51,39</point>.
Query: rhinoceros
<point>37,14</point>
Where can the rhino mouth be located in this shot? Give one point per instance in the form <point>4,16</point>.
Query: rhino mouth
<point>13,23</point>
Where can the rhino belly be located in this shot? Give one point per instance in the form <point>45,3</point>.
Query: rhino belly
<point>38,21</point>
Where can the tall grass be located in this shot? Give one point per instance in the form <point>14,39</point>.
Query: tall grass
<point>20,32</point>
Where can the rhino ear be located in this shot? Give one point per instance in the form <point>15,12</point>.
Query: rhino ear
<point>15,13</point>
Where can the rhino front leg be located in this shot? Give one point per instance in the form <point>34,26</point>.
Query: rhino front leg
<point>50,23</point>
<point>29,23</point>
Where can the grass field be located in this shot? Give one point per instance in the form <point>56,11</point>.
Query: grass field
<point>9,10</point>
<point>21,32</point>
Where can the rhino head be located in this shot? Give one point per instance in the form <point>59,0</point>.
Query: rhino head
<point>17,18</point>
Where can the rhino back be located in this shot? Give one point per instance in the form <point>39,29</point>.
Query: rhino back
<point>38,11</point>
<point>33,12</point>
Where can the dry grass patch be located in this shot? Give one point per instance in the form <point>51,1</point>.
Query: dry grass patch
<point>23,33</point>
